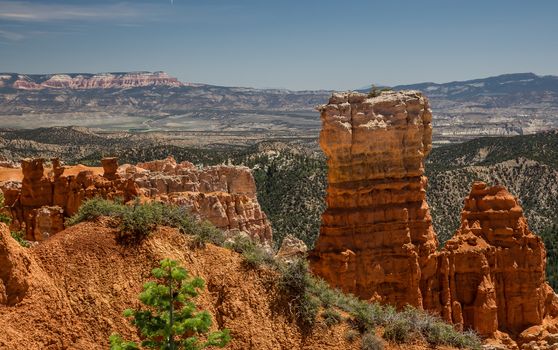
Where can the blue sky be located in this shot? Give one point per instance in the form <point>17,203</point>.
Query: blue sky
<point>303,44</point>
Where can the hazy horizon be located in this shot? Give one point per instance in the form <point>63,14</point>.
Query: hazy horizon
<point>306,45</point>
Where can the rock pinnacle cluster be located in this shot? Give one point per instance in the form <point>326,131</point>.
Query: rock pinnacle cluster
<point>377,241</point>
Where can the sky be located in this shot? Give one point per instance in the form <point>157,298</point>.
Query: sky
<point>300,44</point>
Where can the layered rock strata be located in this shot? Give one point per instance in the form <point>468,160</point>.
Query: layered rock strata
<point>377,241</point>
<point>492,272</point>
<point>376,235</point>
<point>224,195</point>
<point>95,81</point>
<point>40,204</point>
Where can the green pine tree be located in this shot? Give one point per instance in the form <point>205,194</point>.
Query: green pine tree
<point>171,320</point>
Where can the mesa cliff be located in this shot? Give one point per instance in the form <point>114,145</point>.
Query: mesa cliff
<point>88,81</point>
<point>377,240</point>
<point>224,195</point>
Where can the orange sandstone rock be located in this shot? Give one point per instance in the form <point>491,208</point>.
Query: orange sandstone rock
<point>376,234</point>
<point>493,269</point>
<point>14,269</point>
<point>224,195</point>
<point>41,203</point>
<point>48,220</point>
<point>377,241</point>
<point>110,166</point>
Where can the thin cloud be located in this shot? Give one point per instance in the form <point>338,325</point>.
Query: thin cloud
<point>13,36</point>
<point>23,11</point>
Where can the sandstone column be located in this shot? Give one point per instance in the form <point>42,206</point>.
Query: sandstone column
<point>376,235</point>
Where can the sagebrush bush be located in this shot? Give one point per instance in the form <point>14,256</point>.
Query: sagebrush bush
<point>371,342</point>
<point>94,208</point>
<point>295,283</point>
<point>399,327</point>
<point>254,254</point>
<point>203,232</point>
<point>331,317</point>
<point>398,330</point>
<point>411,323</point>
<point>137,220</point>
<point>328,296</point>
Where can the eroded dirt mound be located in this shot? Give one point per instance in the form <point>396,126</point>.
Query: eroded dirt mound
<point>14,269</point>
<point>82,280</point>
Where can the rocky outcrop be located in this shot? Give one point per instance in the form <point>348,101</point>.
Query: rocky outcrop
<point>492,272</point>
<point>168,166</point>
<point>377,241</point>
<point>291,248</point>
<point>96,81</point>
<point>37,204</point>
<point>376,235</point>
<point>48,220</point>
<point>224,195</point>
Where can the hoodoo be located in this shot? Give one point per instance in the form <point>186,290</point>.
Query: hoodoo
<point>377,241</point>
<point>492,272</point>
<point>224,195</point>
<point>376,235</point>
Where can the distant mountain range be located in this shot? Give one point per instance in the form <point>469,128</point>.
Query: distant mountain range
<point>511,104</point>
<point>497,85</point>
<point>505,105</point>
<point>507,84</point>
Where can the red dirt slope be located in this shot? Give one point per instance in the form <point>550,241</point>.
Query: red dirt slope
<point>75,285</point>
<point>80,280</point>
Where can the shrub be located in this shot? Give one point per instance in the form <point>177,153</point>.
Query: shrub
<point>398,326</point>
<point>18,236</point>
<point>398,330</point>
<point>306,309</point>
<point>331,317</point>
<point>170,320</point>
<point>375,92</point>
<point>294,283</point>
<point>402,326</point>
<point>351,335</point>
<point>371,342</point>
<point>136,221</point>
<point>295,279</point>
<point>94,208</point>
<point>328,296</point>
<point>362,318</point>
<point>204,233</point>
<point>5,218</point>
<point>254,255</point>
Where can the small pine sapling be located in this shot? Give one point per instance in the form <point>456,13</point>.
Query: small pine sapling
<point>170,320</point>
